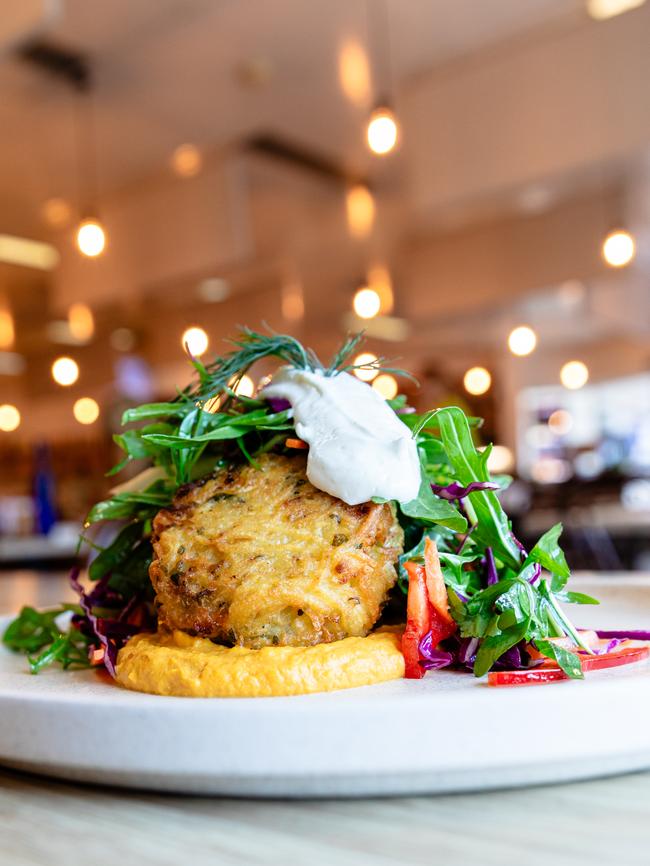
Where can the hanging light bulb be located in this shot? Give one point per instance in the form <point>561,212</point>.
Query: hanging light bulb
<point>7,326</point>
<point>81,322</point>
<point>91,238</point>
<point>382,132</point>
<point>522,341</point>
<point>86,410</point>
<point>360,210</point>
<point>477,381</point>
<point>195,340</point>
<point>366,303</point>
<point>9,418</point>
<point>65,371</point>
<point>619,248</point>
<point>364,370</point>
<point>386,385</point>
<point>574,375</point>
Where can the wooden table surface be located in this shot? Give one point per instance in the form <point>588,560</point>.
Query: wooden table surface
<point>59,824</point>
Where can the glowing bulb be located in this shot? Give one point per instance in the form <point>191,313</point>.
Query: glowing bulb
<point>522,340</point>
<point>619,248</point>
<point>195,341</point>
<point>91,238</point>
<point>65,371</point>
<point>187,160</point>
<point>500,459</point>
<point>81,322</point>
<point>386,385</point>
<point>366,303</point>
<point>379,280</point>
<point>382,131</point>
<point>292,301</point>
<point>7,328</point>
<point>245,387</point>
<point>365,359</point>
<point>477,380</point>
<point>360,210</point>
<point>9,418</point>
<point>603,9</point>
<point>86,410</point>
<point>574,375</point>
<point>354,72</point>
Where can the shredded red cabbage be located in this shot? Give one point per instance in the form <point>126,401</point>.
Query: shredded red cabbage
<point>110,634</point>
<point>432,658</point>
<point>455,490</point>
<point>492,576</point>
<point>278,404</point>
<point>629,634</point>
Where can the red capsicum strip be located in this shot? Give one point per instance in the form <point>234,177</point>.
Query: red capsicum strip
<point>552,674</point>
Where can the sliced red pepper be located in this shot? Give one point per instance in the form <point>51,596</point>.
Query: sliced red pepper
<point>553,674</point>
<point>437,591</point>
<point>418,620</point>
<point>296,443</point>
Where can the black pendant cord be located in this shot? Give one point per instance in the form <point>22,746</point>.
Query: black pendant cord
<point>380,50</point>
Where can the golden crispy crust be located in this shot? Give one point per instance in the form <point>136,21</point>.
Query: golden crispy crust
<point>259,557</point>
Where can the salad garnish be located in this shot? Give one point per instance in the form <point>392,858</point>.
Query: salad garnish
<point>473,598</point>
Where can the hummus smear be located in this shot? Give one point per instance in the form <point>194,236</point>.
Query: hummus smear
<point>184,666</point>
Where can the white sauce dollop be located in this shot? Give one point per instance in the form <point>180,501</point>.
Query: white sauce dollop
<point>358,447</point>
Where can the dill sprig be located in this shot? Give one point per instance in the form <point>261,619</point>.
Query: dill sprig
<point>226,370</point>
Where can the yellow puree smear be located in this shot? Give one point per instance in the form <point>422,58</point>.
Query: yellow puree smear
<point>184,666</point>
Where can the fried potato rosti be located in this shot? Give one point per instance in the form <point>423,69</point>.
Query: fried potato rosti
<point>259,557</point>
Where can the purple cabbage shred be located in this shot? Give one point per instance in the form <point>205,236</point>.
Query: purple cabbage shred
<point>455,490</point>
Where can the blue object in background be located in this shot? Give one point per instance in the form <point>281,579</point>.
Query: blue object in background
<point>43,492</point>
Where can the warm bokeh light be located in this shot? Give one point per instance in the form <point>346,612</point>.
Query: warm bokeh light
<point>522,340</point>
<point>86,410</point>
<point>56,213</point>
<point>619,248</point>
<point>91,238</point>
<point>245,387</point>
<point>292,301</point>
<point>360,210</point>
<point>477,381</point>
<point>9,418</point>
<point>187,160</point>
<point>195,341</point>
<point>574,375</point>
<point>501,459</point>
<point>28,253</point>
<point>81,322</point>
<point>366,303</point>
<point>379,279</point>
<point>386,385</point>
<point>601,10</point>
<point>364,359</point>
<point>65,371</point>
<point>560,422</point>
<point>7,327</point>
<point>212,405</point>
<point>354,72</point>
<point>382,131</point>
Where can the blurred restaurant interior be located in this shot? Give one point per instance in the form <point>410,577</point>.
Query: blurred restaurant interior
<point>467,181</point>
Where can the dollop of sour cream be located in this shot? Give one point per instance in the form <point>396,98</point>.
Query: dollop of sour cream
<point>358,447</point>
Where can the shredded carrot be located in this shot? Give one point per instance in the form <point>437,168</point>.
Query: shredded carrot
<point>296,443</point>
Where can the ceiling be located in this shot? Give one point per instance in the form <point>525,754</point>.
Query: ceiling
<point>215,71</point>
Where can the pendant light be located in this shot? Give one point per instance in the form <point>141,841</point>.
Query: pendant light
<point>382,131</point>
<point>90,235</point>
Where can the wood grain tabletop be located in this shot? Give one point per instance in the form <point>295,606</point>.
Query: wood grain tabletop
<point>43,821</point>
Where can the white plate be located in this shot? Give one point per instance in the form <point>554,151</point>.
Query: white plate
<point>447,732</point>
